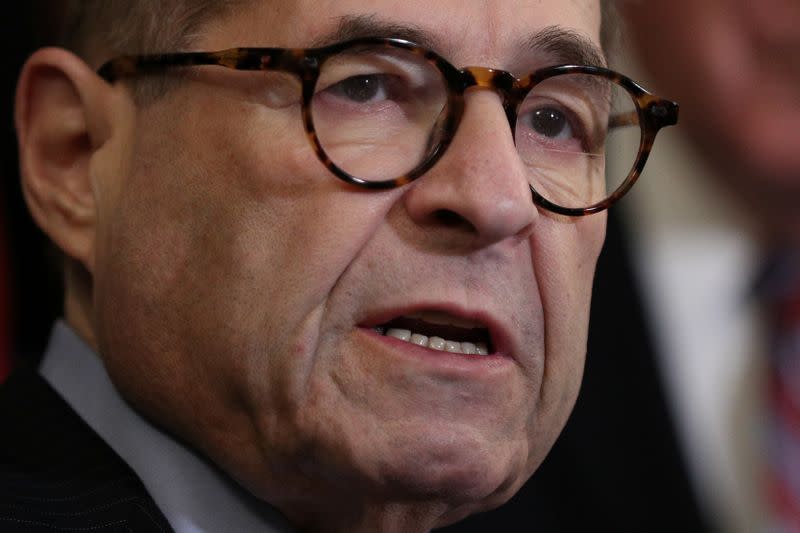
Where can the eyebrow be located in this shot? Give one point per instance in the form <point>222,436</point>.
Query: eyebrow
<point>558,44</point>
<point>562,45</point>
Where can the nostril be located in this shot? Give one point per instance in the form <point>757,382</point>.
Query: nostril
<point>451,219</point>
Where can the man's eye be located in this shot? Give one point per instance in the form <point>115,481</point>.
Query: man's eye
<point>362,89</point>
<point>551,123</point>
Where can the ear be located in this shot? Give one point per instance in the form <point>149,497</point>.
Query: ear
<point>61,115</point>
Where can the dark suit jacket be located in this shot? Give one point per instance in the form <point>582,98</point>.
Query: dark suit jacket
<point>617,466</point>
<point>56,474</point>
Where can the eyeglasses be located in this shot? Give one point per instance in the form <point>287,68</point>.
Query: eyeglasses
<point>380,112</point>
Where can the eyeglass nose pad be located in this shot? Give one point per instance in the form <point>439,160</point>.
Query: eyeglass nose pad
<point>510,107</point>
<point>445,126</point>
<point>439,132</point>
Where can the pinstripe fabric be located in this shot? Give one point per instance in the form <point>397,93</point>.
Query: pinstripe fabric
<point>57,475</point>
<point>783,475</point>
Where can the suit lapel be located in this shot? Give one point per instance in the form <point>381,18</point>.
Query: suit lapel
<point>56,473</point>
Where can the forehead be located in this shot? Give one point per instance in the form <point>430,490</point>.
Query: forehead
<point>487,32</point>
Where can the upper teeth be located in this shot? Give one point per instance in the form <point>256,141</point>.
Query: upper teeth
<point>436,343</point>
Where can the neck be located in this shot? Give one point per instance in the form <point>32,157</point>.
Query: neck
<point>78,301</point>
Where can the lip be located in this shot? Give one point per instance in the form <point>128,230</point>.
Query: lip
<point>502,339</point>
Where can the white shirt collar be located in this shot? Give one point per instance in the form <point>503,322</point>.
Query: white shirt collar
<point>192,493</point>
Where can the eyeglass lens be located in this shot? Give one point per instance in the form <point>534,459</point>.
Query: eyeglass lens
<point>378,111</point>
<point>375,110</point>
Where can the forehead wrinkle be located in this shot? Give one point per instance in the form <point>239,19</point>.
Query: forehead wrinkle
<point>370,25</point>
<point>552,44</point>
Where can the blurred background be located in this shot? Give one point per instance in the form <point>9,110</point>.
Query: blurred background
<point>672,430</point>
<point>29,285</point>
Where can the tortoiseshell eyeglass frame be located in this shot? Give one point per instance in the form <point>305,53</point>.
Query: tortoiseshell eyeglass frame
<point>652,112</point>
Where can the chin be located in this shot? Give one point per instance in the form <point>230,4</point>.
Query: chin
<point>463,472</point>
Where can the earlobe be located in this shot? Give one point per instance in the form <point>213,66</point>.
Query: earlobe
<point>61,121</point>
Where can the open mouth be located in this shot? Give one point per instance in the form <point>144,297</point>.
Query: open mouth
<point>438,332</point>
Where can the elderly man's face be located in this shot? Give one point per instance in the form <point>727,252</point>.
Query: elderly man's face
<point>238,282</point>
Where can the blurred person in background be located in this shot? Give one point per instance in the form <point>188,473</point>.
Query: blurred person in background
<point>689,414</point>
<point>732,333</point>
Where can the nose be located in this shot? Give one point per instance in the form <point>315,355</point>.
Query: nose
<point>480,185</point>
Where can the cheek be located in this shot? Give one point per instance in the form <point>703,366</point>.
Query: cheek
<point>564,254</point>
<point>217,263</point>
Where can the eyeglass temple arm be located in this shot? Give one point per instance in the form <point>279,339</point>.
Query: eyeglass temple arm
<point>234,58</point>
<point>659,113</point>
